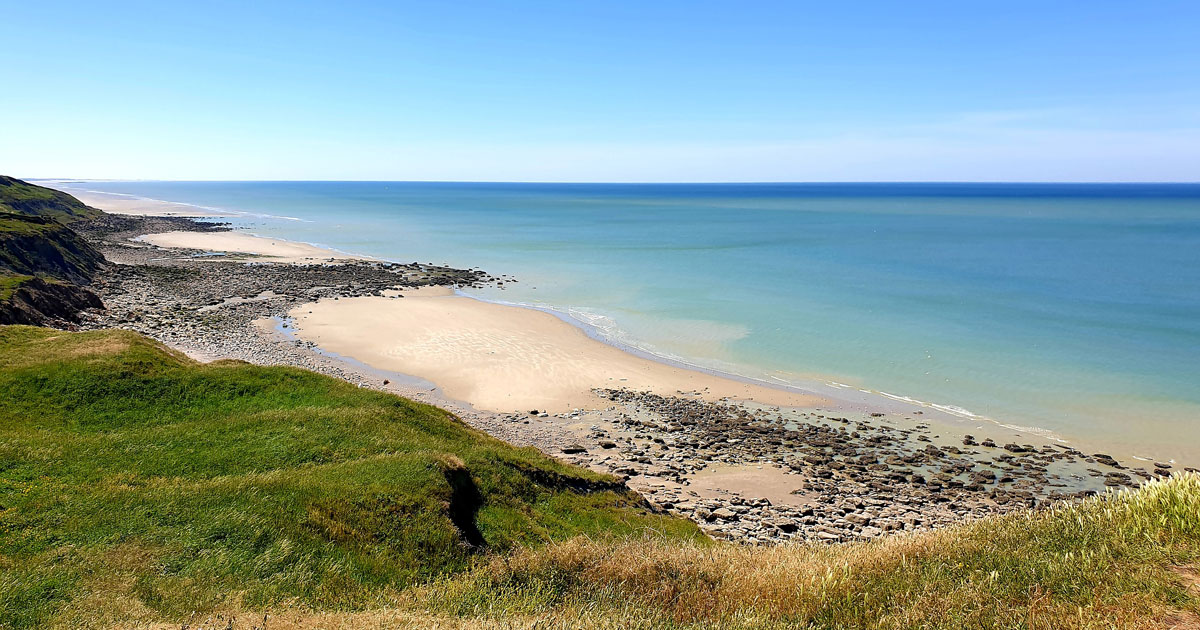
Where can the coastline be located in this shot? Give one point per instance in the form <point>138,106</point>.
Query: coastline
<point>230,243</point>
<point>115,203</point>
<point>519,358</point>
<point>799,337</point>
<point>753,470</point>
<point>237,245</point>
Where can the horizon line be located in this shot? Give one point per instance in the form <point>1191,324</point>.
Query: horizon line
<point>649,183</point>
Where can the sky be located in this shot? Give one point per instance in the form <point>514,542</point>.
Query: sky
<point>601,91</point>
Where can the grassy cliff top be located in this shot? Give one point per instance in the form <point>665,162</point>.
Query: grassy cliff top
<point>13,224</point>
<point>134,481</point>
<point>21,197</point>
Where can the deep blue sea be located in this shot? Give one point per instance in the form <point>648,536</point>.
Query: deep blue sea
<point>1072,308</point>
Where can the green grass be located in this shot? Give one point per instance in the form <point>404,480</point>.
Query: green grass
<point>134,481</point>
<point>30,199</point>
<point>9,283</point>
<point>137,486</point>
<point>12,224</point>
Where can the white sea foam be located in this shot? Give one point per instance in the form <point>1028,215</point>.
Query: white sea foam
<point>607,329</point>
<point>955,410</point>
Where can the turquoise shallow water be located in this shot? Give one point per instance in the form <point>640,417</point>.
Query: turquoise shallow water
<point>1069,308</point>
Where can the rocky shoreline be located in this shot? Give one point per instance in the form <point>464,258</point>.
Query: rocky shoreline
<point>850,475</point>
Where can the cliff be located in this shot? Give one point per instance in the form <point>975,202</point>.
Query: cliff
<point>41,246</point>
<point>20,197</point>
<point>44,265</point>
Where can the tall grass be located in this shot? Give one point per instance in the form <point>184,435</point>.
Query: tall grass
<point>1105,562</point>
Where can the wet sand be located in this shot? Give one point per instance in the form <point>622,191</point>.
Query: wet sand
<point>504,358</point>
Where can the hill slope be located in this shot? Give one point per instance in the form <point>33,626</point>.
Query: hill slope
<point>34,245</point>
<point>137,486</point>
<point>136,481</point>
<point>21,197</point>
<point>43,265</point>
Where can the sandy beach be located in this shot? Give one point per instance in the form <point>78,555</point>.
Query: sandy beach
<point>503,358</point>
<point>270,249</point>
<point>133,206</point>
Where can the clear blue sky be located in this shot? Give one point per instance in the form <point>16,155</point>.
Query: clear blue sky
<point>602,91</point>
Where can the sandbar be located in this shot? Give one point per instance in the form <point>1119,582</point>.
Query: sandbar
<point>271,249</point>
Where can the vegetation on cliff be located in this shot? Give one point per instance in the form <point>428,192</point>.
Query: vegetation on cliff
<point>20,197</point>
<point>40,246</point>
<point>43,263</point>
<point>43,267</point>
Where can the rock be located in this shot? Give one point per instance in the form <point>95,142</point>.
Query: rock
<point>573,449</point>
<point>784,525</point>
<point>857,519</point>
<point>725,514</point>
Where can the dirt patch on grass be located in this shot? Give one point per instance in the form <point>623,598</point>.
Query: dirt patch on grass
<point>104,347</point>
<point>1190,577</point>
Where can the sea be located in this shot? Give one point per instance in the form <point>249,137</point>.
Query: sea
<point>1070,310</point>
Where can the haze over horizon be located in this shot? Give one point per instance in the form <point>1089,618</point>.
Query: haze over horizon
<point>547,92</point>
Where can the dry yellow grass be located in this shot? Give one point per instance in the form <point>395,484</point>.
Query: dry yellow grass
<point>1121,561</point>
<point>1103,563</point>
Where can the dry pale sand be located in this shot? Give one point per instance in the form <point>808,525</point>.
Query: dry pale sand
<point>749,480</point>
<point>120,204</point>
<point>271,249</point>
<point>503,358</point>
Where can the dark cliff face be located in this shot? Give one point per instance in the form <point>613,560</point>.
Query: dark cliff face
<point>19,197</point>
<point>41,302</point>
<point>40,246</point>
